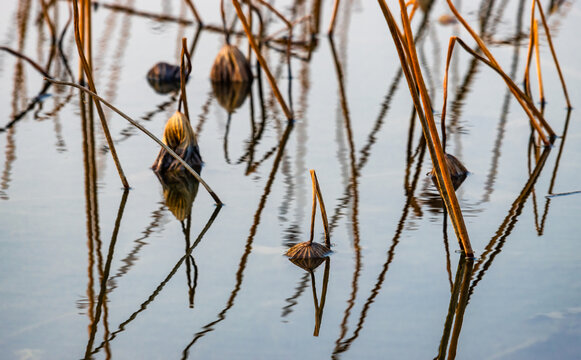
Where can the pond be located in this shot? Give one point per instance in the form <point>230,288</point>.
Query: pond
<point>89,270</point>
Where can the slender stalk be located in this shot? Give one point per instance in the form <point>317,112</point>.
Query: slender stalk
<point>313,213</point>
<point>88,73</point>
<point>35,65</point>
<point>444,179</point>
<point>289,26</point>
<point>538,62</point>
<point>261,60</point>
<point>511,85</point>
<point>430,132</point>
<point>195,12</point>
<point>223,16</point>
<point>53,39</point>
<point>322,206</point>
<point>79,25</point>
<point>276,12</point>
<point>184,73</point>
<point>445,90</point>
<point>550,41</point>
<point>153,137</point>
<point>524,101</point>
<point>527,79</point>
<point>333,18</point>
<point>461,308</point>
<point>87,41</point>
<point>292,24</point>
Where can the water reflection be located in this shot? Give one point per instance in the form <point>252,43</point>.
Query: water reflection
<point>495,245</point>
<point>143,307</point>
<point>248,246</point>
<point>310,265</point>
<point>420,197</point>
<point>456,309</point>
<point>541,226</point>
<point>179,191</point>
<point>410,184</point>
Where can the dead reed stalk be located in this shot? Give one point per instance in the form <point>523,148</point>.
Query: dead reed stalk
<point>550,41</point>
<point>195,12</point>
<point>147,132</point>
<point>538,62</point>
<point>333,18</point>
<point>412,72</point>
<point>88,72</point>
<point>261,60</point>
<point>309,249</point>
<point>513,87</point>
<point>184,73</point>
<point>526,103</point>
<point>317,189</point>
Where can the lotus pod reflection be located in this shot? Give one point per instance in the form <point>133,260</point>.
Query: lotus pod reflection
<point>309,263</point>
<point>179,191</point>
<point>179,136</point>
<point>231,96</point>
<point>164,78</point>
<point>230,66</point>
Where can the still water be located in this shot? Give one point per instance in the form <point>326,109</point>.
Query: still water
<point>89,270</point>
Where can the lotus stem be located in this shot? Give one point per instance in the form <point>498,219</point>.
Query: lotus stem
<point>195,12</point>
<point>550,41</point>
<point>430,133</point>
<point>35,65</point>
<point>520,96</point>
<point>314,212</point>
<point>88,73</point>
<point>524,101</point>
<point>261,60</point>
<point>184,73</point>
<point>333,18</point>
<point>527,81</point>
<point>538,62</point>
<point>322,206</point>
<point>223,16</point>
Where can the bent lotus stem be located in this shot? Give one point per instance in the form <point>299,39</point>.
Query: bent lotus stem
<point>147,132</point>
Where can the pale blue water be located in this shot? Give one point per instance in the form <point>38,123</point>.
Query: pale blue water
<point>388,288</point>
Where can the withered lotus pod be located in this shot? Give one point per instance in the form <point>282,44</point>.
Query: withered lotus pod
<point>231,66</point>
<point>458,172</point>
<point>164,78</point>
<point>308,250</point>
<point>231,96</point>
<point>179,136</point>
